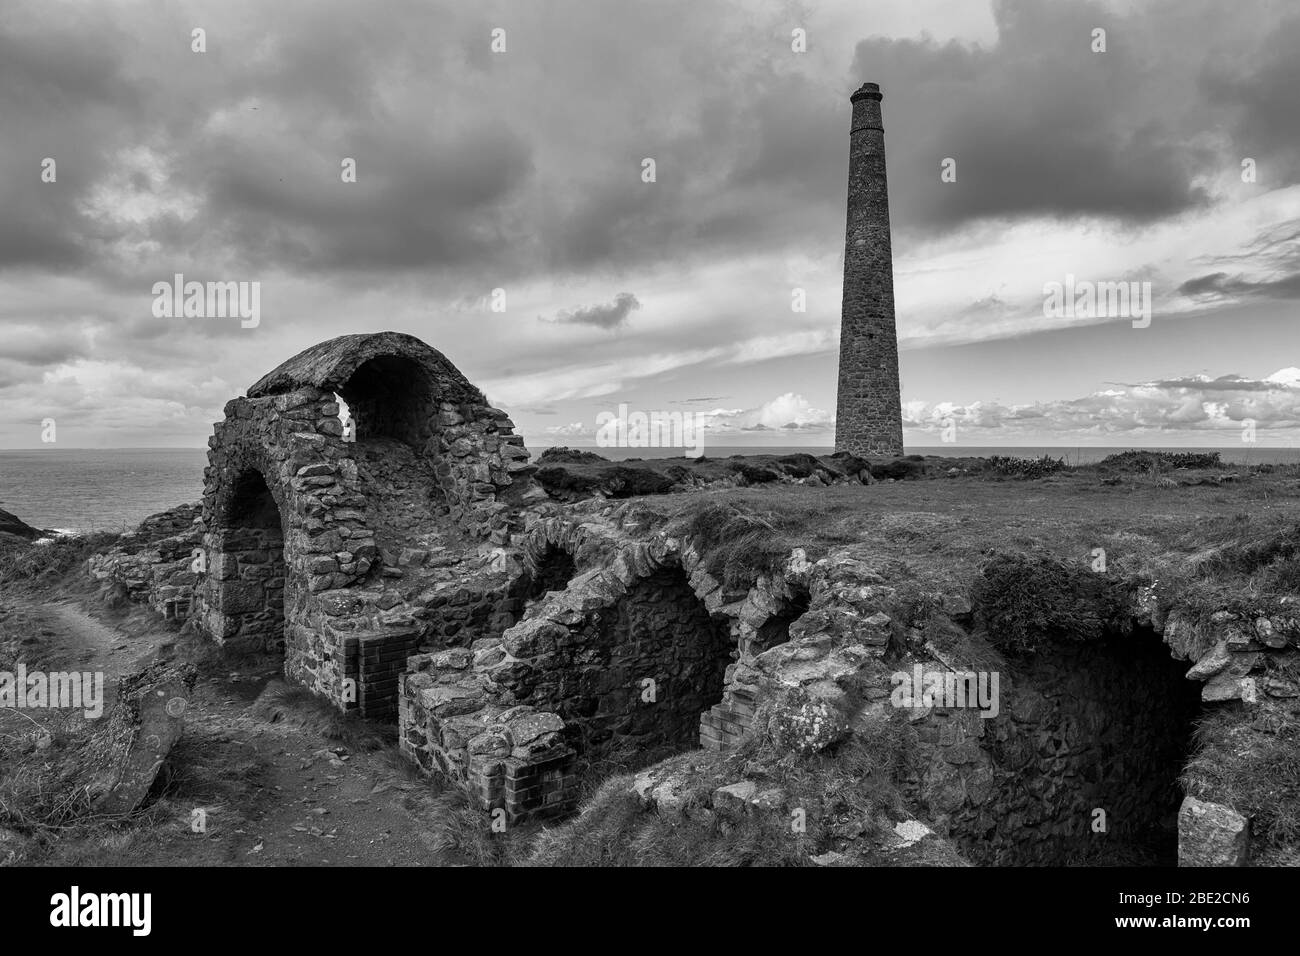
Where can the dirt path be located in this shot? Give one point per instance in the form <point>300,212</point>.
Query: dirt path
<point>253,785</point>
<point>92,644</point>
<point>315,801</point>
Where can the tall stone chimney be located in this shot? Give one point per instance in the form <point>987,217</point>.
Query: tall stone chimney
<point>868,413</point>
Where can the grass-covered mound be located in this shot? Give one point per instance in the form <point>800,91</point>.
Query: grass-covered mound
<point>28,562</point>
<point>843,800</point>
<point>571,474</point>
<point>1138,460</point>
<point>1022,601</point>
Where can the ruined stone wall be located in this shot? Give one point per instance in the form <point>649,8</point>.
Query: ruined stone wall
<point>461,611</point>
<point>506,756</point>
<point>633,679</point>
<point>292,443</point>
<point>478,459</point>
<point>368,550</point>
<point>868,416</point>
<point>153,564</point>
<point>768,616</point>
<point>1098,726</point>
<point>579,660</point>
<point>249,572</point>
<point>462,710</point>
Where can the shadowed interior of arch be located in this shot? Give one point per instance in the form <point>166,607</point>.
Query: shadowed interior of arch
<point>642,673</point>
<point>390,397</point>
<point>554,570</point>
<point>251,569</point>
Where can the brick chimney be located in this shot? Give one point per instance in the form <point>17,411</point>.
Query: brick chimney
<point>869,419</point>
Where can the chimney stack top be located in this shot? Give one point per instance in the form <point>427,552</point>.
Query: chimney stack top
<point>871,90</point>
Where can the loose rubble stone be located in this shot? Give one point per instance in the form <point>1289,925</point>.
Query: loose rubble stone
<point>1210,834</point>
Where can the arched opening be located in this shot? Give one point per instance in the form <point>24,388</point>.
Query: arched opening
<point>728,722</point>
<point>249,568</point>
<point>633,688</point>
<point>1088,748</point>
<point>390,410</point>
<point>390,397</point>
<point>552,572</point>
<point>251,504</point>
<point>776,629</point>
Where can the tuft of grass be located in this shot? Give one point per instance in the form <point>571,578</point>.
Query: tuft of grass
<point>960,647</point>
<point>737,543</point>
<point>40,764</point>
<point>1256,774</point>
<point>298,707</point>
<point>1010,467</point>
<point>847,793</point>
<point>1246,552</point>
<point>463,835</point>
<point>51,560</point>
<point>1022,600</point>
<point>220,775</point>
<point>614,829</point>
<point>1152,461</point>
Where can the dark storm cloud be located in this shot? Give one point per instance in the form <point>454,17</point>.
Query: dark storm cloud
<point>1273,258</point>
<point>528,163</point>
<point>1261,93</point>
<point>60,85</point>
<point>446,137</point>
<point>39,346</point>
<point>611,315</point>
<point>416,203</point>
<point>1039,125</point>
<point>523,170</point>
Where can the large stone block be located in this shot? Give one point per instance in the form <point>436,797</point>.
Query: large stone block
<point>240,597</point>
<point>124,757</point>
<point>1210,834</point>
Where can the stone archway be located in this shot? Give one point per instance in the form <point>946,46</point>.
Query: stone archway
<point>355,518</point>
<point>625,662</point>
<point>633,687</point>
<point>552,571</point>
<point>1085,757</point>
<point>247,567</point>
<point>390,396</point>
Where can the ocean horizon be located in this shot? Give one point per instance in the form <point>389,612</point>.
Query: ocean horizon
<point>102,489</point>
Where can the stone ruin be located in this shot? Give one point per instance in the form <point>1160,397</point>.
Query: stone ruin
<point>416,572</point>
<point>329,547</point>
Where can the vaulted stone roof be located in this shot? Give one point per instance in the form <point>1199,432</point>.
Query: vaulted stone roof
<point>329,365</point>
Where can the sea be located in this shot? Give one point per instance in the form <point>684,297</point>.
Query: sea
<point>82,490</point>
<point>87,489</point>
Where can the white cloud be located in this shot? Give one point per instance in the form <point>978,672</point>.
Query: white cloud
<point>790,411</point>
<point>1197,405</point>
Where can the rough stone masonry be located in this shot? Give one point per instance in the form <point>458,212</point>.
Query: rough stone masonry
<point>868,414</point>
<point>331,551</point>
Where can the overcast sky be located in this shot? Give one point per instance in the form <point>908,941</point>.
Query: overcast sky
<point>522,170</point>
